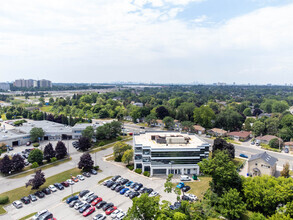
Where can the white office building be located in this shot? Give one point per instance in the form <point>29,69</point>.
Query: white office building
<point>169,152</point>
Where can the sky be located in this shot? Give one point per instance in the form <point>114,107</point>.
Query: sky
<point>147,41</point>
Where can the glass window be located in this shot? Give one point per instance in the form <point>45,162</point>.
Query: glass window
<point>178,154</point>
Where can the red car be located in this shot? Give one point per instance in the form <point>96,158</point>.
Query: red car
<point>96,201</point>
<point>110,210</point>
<point>66,184</point>
<point>88,211</point>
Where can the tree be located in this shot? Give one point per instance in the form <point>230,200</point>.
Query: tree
<point>36,155</point>
<point>36,133</point>
<point>17,163</point>
<point>272,126</point>
<point>119,149</point>
<point>258,128</point>
<point>229,120</point>
<point>88,132</point>
<point>275,143</point>
<point>256,112</point>
<point>127,156</point>
<point>222,145</point>
<point>162,112</point>
<point>6,165</point>
<point>247,112</point>
<point>285,134</point>
<point>286,170</point>
<point>257,216</point>
<point>61,150</point>
<point>49,152</point>
<point>84,143</point>
<point>168,121</point>
<point>187,126</point>
<point>168,184</point>
<point>179,216</point>
<point>185,111</point>
<point>204,116</point>
<point>86,163</point>
<point>144,208</point>
<point>248,124</point>
<point>151,119</point>
<point>37,181</point>
<point>231,204</point>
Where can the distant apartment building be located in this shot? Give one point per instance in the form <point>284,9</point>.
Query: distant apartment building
<point>30,83</point>
<point>4,86</point>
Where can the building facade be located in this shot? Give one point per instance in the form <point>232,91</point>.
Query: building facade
<point>4,86</point>
<point>30,83</point>
<point>262,164</point>
<point>169,152</point>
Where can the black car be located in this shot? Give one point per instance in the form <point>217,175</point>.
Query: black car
<point>83,192</point>
<point>110,184</point>
<point>94,172</point>
<point>91,198</point>
<point>138,186</point>
<point>72,203</point>
<point>85,207</point>
<point>40,194</point>
<point>32,197</point>
<point>86,174</point>
<point>25,200</point>
<point>124,181</point>
<point>59,186</point>
<point>133,195</point>
<point>108,205</point>
<point>115,177</point>
<point>115,185</point>
<point>101,204</point>
<point>47,191</point>
<point>175,206</point>
<point>133,185</point>
<point>149,190</point>
<point>26,163</point>
<point>119,188</point>
<point>185,188</point>
<point>184,197</point>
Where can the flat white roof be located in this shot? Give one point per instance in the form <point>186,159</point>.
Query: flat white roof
<point>145,140</point>
<point>47,126</point>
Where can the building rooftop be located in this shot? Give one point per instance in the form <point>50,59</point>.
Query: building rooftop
<point>85,125</point>
<point>47,126</point>
<point>10,134</point>
<point>173,140</point>
<point>265,157</point>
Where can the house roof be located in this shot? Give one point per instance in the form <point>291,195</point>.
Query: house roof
<point>160,121</point>
<point>199,128</point>
<point>288,143</point>
<point>218,130</point>
<point>265,157</point>
<point>242,134</point>
<point>267,138</point>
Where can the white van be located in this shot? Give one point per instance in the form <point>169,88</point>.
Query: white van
<point>185,178</point>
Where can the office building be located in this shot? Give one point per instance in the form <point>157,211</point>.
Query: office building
<point>30,83</point>
<point>4,86</point>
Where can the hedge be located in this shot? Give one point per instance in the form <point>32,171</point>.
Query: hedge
<point>35,165</point>
<point>36,144</point>
<point>138,170</point>
<point>146,173</point>
<point>4,199</point>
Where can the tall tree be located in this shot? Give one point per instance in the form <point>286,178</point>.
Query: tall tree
<point>88,132</point>
<point>127,156</point>
<point>36,155</point>
<point>36,133</point>
<point>84,143</point>
<point>86,163</point>
<point>258,128</point>
<point>204,116</point>
<point>119,149</point>
<point>37,181</point>
<point>168,121</point>
<point>49,152</point>
<point>229,120</point>
<point>61,150</point>
<point>286,170</point>
<point>6,165</point>
<point>222,145</point>
<point>162,112</point>
<point>17,162</point>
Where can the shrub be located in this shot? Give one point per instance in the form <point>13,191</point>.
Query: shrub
<point>102,143</point>
<point>53,159</point>
<point>35,165</point>
<point>96,167</point>
<point>118,158</point>
<point>131,167</point>
<point>274,143</point>
<point>138,170</point>
<point>4,199</point>
<point>146,173</point>
<point>36,144</point>
<point>119,138</point>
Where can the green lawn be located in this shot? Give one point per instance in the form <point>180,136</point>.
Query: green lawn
<point>27,216</point>
<point>46,108</point>
<point>109,177</point>
<point>198,188</point>
<point>238,161</point>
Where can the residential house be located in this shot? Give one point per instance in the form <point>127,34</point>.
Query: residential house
<point>160,123</point>
<point>262,164</point>
<point>199,129</point>
<point>240,135</point>
<point>265,115</point>
<point>266,139</point>
<point>289,146</point>
<point>217,132</point>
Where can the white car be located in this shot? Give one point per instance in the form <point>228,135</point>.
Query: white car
<point>70,181</point>
<point>185,178</point>
<point>120,215</point>
<point>86,196</point>
<point>153,193</point>
<point>128,193</point>
<point>114,214</point>
<point>80,177</point>
<point>17,204</point>
<point>36,216</point>
<point>191,196</point>
<point>52,188</point>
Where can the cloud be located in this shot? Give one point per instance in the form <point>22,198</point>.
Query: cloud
<point>123,40</point>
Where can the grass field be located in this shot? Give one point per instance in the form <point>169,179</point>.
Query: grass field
<point>46,108</point>
<point>198,188</point>
<point>109,177</point>
<point>28,216</point>
<point>238,161</point>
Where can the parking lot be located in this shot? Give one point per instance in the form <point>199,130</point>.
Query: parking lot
<point>61,210</point>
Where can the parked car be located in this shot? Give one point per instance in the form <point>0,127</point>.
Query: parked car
<point>123,191</point>
<point>83,193</point>
<point>52,188</point>
<point>119,188</point>
<point>127,193</point>
<point>91,198</point>
<point>120,216</point>
<point>149,190</point>
<point>89,211</point>
<point>47,191</point>
<point>124,181</point>
<point>70,181</point>
<point>185,197</point>
<point>185,178</point>
<point>100,217</point>
<point>128,183</point>
<point>72,203</point>
<point>175,206</point>
<point>101,204</point>
<point>96,201</point>
<point>110,210</point>
<point>28,143</point>
<point>132,185</point>
<point>110,184</point>
<point>243,155</point>
<point>10,148</point>
<point>25,200</point>
<point>114,186</point>
<point>59,186</point>
<point>40,213</point>
<point>94,172</point>
<point>80,177</point>
<point>74,179</point>
<point>180,185</point>
<point>78,205</point>
<point>65,184</point>
<point>106,182</point>
<point>40,194</point>
<point>138,186</point>
<point>86,174</point>
<point>191,197</point>
<point>133,195</point>
<point>71,198</point>
<point>252,143</point>
<point>153,193</point>
<point>114,213</point>
<point>142,190</point>
<point>32,197</point>
<point>108,205</point>
<point>115,177</point>
<point>84,207</point>
<point>26,163</point>
<point>17,204</point>
<point>86,196</point>
<point>185,188</point>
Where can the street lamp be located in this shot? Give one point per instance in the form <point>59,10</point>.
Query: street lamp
<point>171,162</point>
